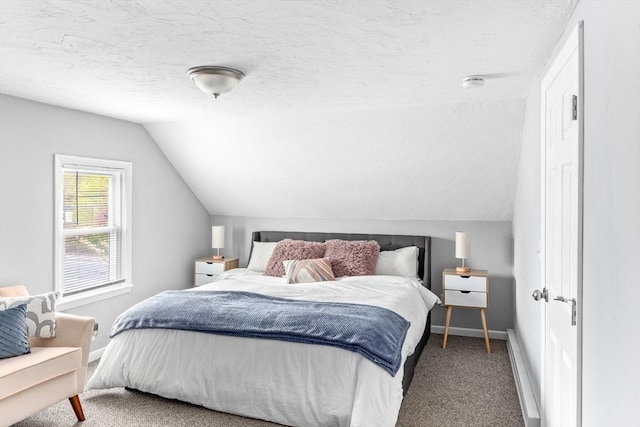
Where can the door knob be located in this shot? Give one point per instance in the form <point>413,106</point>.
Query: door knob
<point>541,294</point>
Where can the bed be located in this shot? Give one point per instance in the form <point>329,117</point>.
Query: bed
<point>283,381</point>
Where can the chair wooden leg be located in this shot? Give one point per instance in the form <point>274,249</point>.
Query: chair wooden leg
<point>77,407</point>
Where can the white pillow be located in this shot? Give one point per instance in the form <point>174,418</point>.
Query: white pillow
<point>401,262</point>
<point>41,312</point>
<point>260,255</point>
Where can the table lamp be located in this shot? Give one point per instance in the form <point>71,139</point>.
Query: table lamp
<point>463,250</point>
<point>217,240</point>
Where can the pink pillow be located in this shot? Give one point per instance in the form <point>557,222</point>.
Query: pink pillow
<point>352,258</point>
<point>292,249</point>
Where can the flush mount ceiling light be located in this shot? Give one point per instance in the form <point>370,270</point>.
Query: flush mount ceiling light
<point>472,82</point>
<point>215,80</point>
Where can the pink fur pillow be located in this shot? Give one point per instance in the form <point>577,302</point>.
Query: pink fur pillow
<point>352,258</point>
<point>292,249</point>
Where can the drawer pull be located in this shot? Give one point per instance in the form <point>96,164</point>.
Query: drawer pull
<point>465,277</point>
<point>466,292</point>
<point>209,262</point>
<point>209,275</point>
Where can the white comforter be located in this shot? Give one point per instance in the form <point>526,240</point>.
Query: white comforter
<point>288,383</point>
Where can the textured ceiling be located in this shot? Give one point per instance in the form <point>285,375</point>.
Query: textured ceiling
<point>128,59</point>
<point>349,109</point>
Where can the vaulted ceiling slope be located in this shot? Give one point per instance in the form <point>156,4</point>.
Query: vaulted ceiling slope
<point>350,109</point>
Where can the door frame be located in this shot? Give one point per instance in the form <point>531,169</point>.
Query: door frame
<point>575,37</point>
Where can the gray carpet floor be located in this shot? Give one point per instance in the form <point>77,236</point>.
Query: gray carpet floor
<point>459,386</point>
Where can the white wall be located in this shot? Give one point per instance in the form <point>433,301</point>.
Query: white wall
<point>611,291</point>
<point>491,249</point>
<point>170,226</point>
<point>526,225</point>
<point>450,161</point>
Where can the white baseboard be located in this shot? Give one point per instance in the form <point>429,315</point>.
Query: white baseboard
<point>96,354</point>
<point>468,332</point>
<point>528,403</point>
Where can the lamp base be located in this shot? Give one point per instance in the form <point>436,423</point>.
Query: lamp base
<point>462,269</point>
<point>218,257</point>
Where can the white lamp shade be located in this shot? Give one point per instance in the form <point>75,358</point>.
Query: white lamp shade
<point>217,236</point>
<point>463,248</point>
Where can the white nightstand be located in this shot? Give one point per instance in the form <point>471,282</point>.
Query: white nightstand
<point>208,270</point>
<point>467,290</point>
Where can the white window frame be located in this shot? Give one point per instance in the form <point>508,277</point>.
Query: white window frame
<point>91,295</point>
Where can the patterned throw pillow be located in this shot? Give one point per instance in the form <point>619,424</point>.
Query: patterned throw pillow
<point>292,249</point>
<point>41,312</point>
<point>308,270</point>
<point>352,257</point>
<point>14,339</point>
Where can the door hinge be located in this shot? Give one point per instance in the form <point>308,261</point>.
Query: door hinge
<point>574,109</point>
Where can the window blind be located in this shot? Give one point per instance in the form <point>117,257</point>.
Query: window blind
<point>93,236</point>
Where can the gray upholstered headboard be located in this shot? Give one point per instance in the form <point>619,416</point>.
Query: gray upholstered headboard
<point>387,242</point>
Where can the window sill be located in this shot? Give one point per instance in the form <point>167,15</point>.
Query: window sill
<point>66,303</point>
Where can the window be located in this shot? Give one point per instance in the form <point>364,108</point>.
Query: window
<point>93,228</point>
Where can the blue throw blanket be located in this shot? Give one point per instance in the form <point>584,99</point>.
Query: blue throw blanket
<point>374,332</point>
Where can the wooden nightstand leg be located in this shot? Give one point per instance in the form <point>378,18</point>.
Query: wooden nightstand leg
<point>487,343</point>
<point>446,327</point>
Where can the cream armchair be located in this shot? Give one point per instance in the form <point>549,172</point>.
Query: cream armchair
<point>54,370</point>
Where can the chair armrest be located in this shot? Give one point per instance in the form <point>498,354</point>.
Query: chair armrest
<point>71,331</point>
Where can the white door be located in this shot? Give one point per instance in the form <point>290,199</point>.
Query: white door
<point>562,139</point>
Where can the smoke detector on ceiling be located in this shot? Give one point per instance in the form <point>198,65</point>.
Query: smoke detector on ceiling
<point>472,82</point>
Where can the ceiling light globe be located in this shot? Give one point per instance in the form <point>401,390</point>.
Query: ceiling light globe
<point>215,80</point>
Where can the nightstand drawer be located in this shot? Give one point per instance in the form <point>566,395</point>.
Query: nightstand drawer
<point>202,279</point>
<point>204,267</point>
<point>468,283</point>
<point>208,270</point>
<point>465,299</point>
